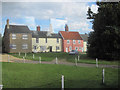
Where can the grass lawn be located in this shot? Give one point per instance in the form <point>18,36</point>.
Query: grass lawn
<point>62,55</point>
<point>24,75</point>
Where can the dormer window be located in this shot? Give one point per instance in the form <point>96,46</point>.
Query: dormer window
<point>25,36</point>
<point>13,36</point>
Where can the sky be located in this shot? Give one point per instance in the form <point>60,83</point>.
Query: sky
<point>73,13</point>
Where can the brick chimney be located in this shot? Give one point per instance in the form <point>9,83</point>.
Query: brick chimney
<point>38,28</point>
<point>7,23</point>
<point>66,28</point>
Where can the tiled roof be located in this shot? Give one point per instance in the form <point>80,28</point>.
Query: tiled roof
<point>70,35</point>
<point>18,29</point>
<point>84,37</point>
<point>43,34</point>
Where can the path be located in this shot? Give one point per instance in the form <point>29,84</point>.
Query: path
<point>64,62</point>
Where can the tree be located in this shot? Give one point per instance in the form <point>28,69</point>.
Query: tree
<point>104,41</point>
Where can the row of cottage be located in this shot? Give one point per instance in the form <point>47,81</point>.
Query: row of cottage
<point>18,38</point>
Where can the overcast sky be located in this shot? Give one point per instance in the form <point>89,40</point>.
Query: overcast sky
<point>44,13</point>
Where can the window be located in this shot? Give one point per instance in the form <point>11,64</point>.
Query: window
<point>80,48</point>
<point>76,48</point>
<point>73,41</point>
<point>13,46</point>
<point>68,41</point>
<point>24,36</point>
<point>35,47</point>
<point>79,41</point>
<point>37,40</point>
<point>57,40</point>
<point>13,36</point>
<point>42,48</point>
<point>57,48</point>
<point>70,48</point>
<point>24,46</point>
<point>46,40</point>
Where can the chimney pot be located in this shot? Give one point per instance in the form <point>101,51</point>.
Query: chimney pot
<point>66,28</point>
<point>7,23</point>
<point>38,28</point>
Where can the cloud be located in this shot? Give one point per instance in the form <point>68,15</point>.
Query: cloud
<point>73,12</point>
<point>94,8</point>
<point>29,21</point>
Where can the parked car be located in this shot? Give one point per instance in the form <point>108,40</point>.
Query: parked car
<point>73,52</point>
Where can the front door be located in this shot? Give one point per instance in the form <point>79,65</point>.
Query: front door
<point>50,48</point>
<point>66,49</point>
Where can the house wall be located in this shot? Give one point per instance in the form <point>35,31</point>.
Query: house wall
<point>50,42</point>
<point>85,46</point>
<point>6,42</point>
<point>65,45</point>
<point>19,41</point>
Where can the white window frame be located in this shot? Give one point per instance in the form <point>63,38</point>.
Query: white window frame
<point>24,46</point>
<point>70,48</point>
<point>24,36</point>
<point>79,41</point>
<point>13,46</point>
<point>13,36</point>
<point>73,41</point>
<point>68,41</point>
<point>76,49</point>
<point>37,39</point>
<point>57,40</point>
<point>57,48</point>
<point>80,48</point>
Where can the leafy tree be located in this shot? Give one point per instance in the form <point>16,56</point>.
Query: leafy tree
<point>104,41</point>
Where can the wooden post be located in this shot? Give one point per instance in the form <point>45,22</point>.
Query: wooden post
<point>19,53</point>
<point>103,76</point>
<point>56,60</point>
<point>24,59</point>
<point>75,61</point>
<point>25,54</point>
<point>33,56</point>
<point>8,58</point>
<point>1,86</point>
<point>78,57</point>
<point>40,59</point>
<point>62,82</point>
<point>96,62</point>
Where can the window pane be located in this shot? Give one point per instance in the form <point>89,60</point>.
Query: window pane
<point>24,46</point>
<point>25,36</point>
<point>13,36</point>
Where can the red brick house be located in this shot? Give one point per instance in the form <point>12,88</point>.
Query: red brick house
<point>71,40</point>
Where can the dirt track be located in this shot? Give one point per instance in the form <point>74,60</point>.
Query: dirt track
<point>18,60</point>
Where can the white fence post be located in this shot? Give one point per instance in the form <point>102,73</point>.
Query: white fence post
<point>103,76</point>
<point>25,54</point>
<point>8,58</point>
<point>75,61</point>
<point>40,59</point>
<point>1,86</point>
<point>96,62</point>
<point>23,59</point>
<point>56,60</point>
<point>78,57</point>
<point>62,82</point>
<point>33,56</point>
<point>19,53</point>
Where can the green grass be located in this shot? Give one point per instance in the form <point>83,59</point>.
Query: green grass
<point>23,75</point>
<point>70,58</point>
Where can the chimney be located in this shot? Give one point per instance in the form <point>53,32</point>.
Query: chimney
<point>7,23</point>
<point>38,28</point>
<point>66,28</point>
